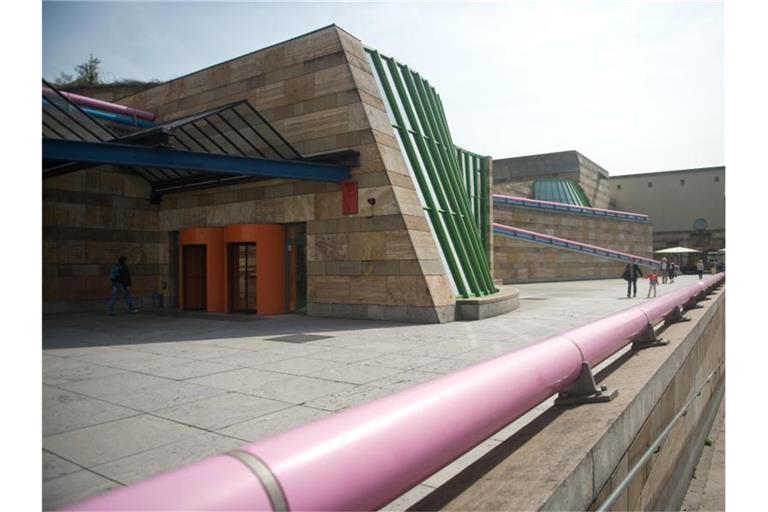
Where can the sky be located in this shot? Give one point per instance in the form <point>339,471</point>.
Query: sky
<point>634,86</point>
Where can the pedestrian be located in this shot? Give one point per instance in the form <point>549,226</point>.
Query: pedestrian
<point>653,280</point>
<point>121,284</point>
<point>664,270</point>
<point>630,275</point>
<point>671,269</point>
<point>700,269</point>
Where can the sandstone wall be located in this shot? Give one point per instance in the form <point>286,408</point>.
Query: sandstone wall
<point>319,92</point>
<point>517,261</point>
<point>89,219</point>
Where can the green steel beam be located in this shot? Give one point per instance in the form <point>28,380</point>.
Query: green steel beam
<point>454,178</point>
<point>432,210</point>
<point>429,158</point>
<point>480,261</point>
<point>457,178</point>
<point>484,212</point>
<point>439,154</point>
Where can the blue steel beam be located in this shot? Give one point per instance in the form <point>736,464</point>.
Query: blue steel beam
<point>117,118</point>
<point>106,153</point>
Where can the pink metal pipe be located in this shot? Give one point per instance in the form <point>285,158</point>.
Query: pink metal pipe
<point>369,455</point>
<point>599,339</point>
<point>565,240</point>
<point>107,106</point>
<point>552,203</point>
<point>365,457</point>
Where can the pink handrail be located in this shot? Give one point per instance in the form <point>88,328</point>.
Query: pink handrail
<point>365,457</point>
<point>566,205</point>
<point>107,106</point>
<point>566,241</point>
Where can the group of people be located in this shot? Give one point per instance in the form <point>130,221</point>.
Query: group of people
<point>669,270</point>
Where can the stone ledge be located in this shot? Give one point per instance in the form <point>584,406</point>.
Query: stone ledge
<point>88,305</point>
<point>413,314</point>
<point>569,458</point>
<point>478,308</point>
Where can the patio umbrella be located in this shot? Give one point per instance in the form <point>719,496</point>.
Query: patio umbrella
<point>675,250</point>
<point>722,250</point>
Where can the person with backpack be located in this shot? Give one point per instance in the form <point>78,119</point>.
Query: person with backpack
<point>631,274</point>
<point>121,283</point>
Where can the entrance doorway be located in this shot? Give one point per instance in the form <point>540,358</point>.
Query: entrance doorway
<point>194,272</point>
<point>242,278</point>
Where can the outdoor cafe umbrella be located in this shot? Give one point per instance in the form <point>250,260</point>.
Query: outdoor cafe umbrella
<point>675,250</point>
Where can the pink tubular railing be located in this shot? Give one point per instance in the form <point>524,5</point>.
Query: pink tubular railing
<point>569,207</point>
<point>365,457</point>
<point>107,106</point>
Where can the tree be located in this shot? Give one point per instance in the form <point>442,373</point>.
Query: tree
<point>88,71</point>
<point>63,79</point>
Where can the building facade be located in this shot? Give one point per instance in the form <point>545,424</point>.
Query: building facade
<point>564,195</point>
<point>264,246</point>
<point>517,176</point>
<point>687,206</point>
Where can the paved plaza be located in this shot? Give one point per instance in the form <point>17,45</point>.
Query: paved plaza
<point>129,396</point>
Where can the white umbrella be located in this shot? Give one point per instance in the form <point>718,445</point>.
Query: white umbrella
<point>676,250</point>
<point>722,250</point>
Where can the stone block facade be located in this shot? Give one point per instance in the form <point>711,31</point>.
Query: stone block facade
<point>319,92</point>
<point>515,176</point>
<point>516,261</point>
<point>90,218</point>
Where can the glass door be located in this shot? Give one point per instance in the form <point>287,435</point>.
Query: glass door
<point>242,277</point>
<point>193,270</point>
<point>296,268</point>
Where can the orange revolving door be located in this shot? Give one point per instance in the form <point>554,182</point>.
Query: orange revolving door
<point>243,282</point>
<point>238,268</point>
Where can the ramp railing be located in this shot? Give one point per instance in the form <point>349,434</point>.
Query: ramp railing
<point>571,245</point>
<point>524,202</point>
<point>367,456</point>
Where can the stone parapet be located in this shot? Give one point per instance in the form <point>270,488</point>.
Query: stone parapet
<point>571,458</point>
<point>516,261</point>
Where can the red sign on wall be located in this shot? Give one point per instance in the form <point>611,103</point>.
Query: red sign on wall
<point>348,197</point>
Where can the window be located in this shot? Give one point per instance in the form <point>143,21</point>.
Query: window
<point>717,179</point>
<point>650,184</point>
<point>682,182</point>
<point>618,187</point>
<point>700,224</point>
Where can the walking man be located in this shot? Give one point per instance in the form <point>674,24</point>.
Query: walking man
<point>700,268</point>
<point>631,273</point>
<point>664,270</point>
<point>121,284</point>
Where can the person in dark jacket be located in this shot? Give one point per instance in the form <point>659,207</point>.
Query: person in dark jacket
<point>121,284</point>
<point>631,274</point>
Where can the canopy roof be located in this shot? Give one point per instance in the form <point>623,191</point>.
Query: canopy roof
<point>222,145</point>
<point>676,250</point>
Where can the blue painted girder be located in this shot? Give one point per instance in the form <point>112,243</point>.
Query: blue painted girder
<point>107,153</point>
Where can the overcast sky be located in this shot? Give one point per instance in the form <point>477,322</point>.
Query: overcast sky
<point>635,86</point>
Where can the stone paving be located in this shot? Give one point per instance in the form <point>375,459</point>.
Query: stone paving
<point>130,396</point>
<point>707,489</point>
